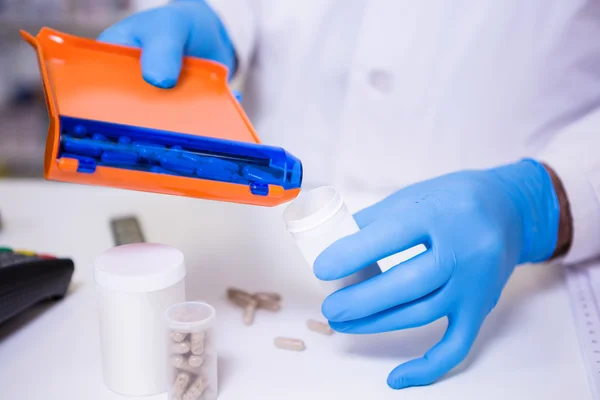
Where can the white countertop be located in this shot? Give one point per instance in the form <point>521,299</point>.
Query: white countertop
<point>527,349</point>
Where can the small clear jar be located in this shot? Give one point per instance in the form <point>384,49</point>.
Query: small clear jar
<point>192,351</point>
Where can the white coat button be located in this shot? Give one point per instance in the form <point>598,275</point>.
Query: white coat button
<point>381,80</point>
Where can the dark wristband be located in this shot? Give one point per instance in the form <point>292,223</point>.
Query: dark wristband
<point>565,226</point>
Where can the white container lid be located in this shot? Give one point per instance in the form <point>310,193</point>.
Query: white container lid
<point>312,208</point>
<point>190,316</point>
<point>139,268</point>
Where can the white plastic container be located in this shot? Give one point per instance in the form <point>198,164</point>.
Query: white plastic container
<point>317,219</point>
<point>137,283</point>
<point>192,351</point>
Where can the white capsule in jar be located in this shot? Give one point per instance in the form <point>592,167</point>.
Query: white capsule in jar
<point>195,390</point>
<point>181,348</point>
<point>195,361</point>
<point>182,363</point>
<point>178,336</point>
<point>180,385</point>
<point>197,343</point>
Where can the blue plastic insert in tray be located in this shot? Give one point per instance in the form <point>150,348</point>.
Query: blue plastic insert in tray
<point>95,143</point>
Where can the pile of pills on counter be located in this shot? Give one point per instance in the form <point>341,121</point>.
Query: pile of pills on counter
<point>251,302</point>
<point>271,301</point>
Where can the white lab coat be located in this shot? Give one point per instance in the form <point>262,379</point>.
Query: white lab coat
<point>380,94</point>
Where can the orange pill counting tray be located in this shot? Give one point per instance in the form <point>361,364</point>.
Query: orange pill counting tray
<point>109,127</point>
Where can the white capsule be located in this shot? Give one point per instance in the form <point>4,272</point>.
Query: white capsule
<point>249,314</point>
<point>178,336</point>
<point>181,348</point>
<point>177,361</point>
<point>289,344</point>
<point>182,363</point>
<point>197,343</point>
<point>268,301</point>
<point>195,390</point>
<point>240,298</point>
<point>319,327</point>
<point>195,361</point>
<point>179,387</point>
<point>269,295</point>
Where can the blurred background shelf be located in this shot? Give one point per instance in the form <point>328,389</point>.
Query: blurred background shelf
<point>23,116</point>
<point>89,16</point>
<point>85,27</point>
<point>23,139</point>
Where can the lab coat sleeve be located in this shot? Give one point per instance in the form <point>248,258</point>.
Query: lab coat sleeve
<point>240,19</point>
<point>574,154</point>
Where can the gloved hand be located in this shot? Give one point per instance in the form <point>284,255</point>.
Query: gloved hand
<point>166,34</point>
<point>477,226</point>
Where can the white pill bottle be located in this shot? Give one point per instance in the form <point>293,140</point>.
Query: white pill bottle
<point>317,219</point>
<point>136,284</point>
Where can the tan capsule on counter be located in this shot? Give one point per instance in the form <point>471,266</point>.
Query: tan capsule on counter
<point>195,390</point>
<point>289,344</point>
<point>268,301</point>
<point>249,313</point>
<point>269,295</point>
<point>197,343</point>
<point>240,297</point>
<point>178,336</point>
<point>180,385</point>
<point>181,348</point>
<point>319,327</point>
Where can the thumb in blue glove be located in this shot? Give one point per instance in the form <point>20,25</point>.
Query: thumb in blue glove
<point>166,34</point>
<point>477,226</point>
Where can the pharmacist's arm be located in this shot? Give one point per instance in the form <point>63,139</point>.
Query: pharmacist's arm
<point>241,19</point>
<point>574,164</point>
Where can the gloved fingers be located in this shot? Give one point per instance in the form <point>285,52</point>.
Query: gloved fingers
<point>397,201</point>
<point>448,353</point>
<point>120,34</point>
<point>162,45</point>
<point>418,313</point>
<point>162,56</point>
<point>407,281</point>
<point>374,242</point>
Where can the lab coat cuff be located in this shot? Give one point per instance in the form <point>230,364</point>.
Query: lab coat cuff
<point>238,18</point>
<point>583,193</point>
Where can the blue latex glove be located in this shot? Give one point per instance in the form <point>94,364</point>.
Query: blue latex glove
<point>166,34</point>
<point>477,226</point>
